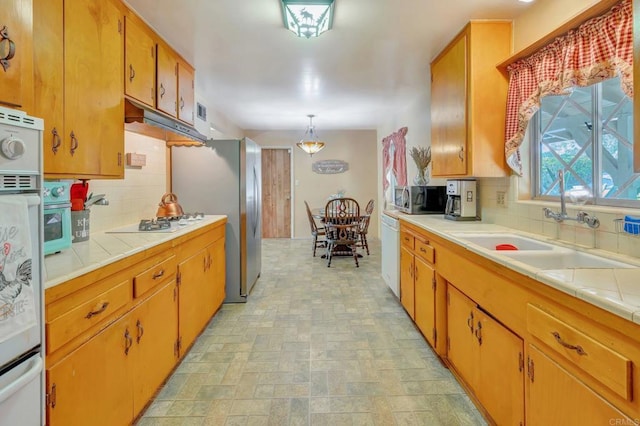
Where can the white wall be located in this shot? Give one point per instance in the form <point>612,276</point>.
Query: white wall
<point>137,195</point>
<point>356,147</point>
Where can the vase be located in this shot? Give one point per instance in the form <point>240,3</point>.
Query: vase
<point>422,178</point>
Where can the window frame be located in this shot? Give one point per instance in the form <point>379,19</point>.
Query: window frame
<point>534,130</point>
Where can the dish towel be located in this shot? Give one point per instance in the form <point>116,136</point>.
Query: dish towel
<point>17,304</point>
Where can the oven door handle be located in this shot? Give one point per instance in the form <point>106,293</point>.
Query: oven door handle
<point>21,381</point>
<point>57,206</point>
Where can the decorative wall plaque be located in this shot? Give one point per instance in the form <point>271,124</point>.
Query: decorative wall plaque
<point>329,167</point>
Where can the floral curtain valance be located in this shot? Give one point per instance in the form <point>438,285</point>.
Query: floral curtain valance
<point>394,149</point>
<point>601,48</point>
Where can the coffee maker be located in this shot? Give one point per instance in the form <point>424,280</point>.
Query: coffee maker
<point>461,200</point>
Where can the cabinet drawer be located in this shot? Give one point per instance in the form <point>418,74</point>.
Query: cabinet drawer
<point>425,251</point>
<point>601,362</point>
<point>157,274</point>
<point>67,326</point>
<point>407,240</point>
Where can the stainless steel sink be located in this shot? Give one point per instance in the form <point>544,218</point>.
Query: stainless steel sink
<point>492,240</point>
<point>563,258</point>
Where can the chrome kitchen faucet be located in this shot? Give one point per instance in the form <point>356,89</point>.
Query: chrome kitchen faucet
<point>581,217</point>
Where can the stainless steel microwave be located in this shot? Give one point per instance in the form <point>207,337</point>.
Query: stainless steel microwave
<point>420,199</point>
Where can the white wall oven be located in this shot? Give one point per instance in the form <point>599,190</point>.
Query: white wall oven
<point>21,257</point>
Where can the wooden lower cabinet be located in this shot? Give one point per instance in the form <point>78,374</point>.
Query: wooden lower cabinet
<point>488,357</point>
<point>217,274</point>
<point>192,289</point>
<point>407,288</point>
<point>461,344</point>
<point>154,325</point>
<point>425,299</point>
<point>92,385</point>
<point>556,397</point>
<point>115,332</point>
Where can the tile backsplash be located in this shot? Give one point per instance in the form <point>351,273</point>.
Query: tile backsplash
<point>137,195</point>
<point>527,215</point>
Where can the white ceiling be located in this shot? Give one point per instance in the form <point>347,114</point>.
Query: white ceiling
<point>260,76</point>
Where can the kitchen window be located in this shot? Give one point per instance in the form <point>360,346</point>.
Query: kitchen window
<point>588,132</point>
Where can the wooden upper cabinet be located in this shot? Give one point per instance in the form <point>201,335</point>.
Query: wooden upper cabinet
<point>140,61</point>
<point>94,106</point>
<point>16,54</point>
<point>79,85</point>
<point>186,98</point>
<point>167,83</point>
<point>468,102</point>
<point>48,17</point>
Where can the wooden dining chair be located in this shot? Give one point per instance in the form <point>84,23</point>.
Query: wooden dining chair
<point>317,232</point>
<point>342,221</point>
<point>363,227</point>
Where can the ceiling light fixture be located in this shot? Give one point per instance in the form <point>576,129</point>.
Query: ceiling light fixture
<point>307,18</point>
<point>310,142</point>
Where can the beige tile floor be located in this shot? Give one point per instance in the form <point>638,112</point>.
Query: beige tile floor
<point>312,346</point>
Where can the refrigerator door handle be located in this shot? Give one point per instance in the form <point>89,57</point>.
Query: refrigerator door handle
<point>255,203</point>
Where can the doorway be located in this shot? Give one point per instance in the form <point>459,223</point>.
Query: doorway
<point>276,192</point>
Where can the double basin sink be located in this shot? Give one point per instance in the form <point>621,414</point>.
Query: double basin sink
<point>537,254</point>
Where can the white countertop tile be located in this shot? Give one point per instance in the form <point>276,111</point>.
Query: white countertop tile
<point>614,290</point>
<point>103,248</point>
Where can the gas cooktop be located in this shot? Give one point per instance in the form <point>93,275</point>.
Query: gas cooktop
<point>159,224</point>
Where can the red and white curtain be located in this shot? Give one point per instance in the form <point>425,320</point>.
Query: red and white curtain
<point>601,48</point>
<point>395,158</point>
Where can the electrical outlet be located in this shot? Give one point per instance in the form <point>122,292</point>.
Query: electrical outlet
<point>500,196</point>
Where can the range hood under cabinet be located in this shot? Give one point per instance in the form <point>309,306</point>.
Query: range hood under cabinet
<point>140,118</point>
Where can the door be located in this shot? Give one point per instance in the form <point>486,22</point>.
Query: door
<point>15,50</point>
<point>449,112</point>
<point>140,61</point>
<point>425,299</point>
<point>556,397</point>
<point>167,84</point>
<point>155,325</point>
<point>81,391</point>
<point>462,346</point>
<point>500,370</point>
<point>94,83</point>
<point>407,289</point>
<point>185,92</point>
<point>276,193</point>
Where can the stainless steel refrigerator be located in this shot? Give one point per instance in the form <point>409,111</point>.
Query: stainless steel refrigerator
<point>224,177</point>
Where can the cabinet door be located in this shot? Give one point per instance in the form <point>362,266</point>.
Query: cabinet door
<point>140,61</point>
<point>167,84</point>
<point>92,385</point>
<point>500,370</point>
<point>186,97</point>
<point>48,18</point>
<point>425,299</point>
<point>462,346</point>
<point>155,325</point>
<point>217,272</point>
<point>449,111</point>
<point>93,77</point>
<point>191,301</point>
<point>407,289</point>
<point>556,397</point>
<point>16,52</point>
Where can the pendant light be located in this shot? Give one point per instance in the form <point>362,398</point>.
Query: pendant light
<point>310,142</point>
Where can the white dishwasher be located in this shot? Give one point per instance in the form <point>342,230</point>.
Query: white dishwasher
<point>390,238</point>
